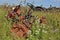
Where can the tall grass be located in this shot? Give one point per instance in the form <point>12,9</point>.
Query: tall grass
<point>49,31</point>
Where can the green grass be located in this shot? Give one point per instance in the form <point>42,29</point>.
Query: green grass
<point>50,31</point>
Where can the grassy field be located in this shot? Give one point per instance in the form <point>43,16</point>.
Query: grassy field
<point>49,31</point>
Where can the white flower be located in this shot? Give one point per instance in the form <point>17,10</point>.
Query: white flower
<point>43,26</point>
<point>29,32</point>
<point>5,15</point>
<point>49,37</point>
<point>27,39</point>
<point>44,31</point>
<point>39,29</point>
<point>13,8</point>
<point>55,30</point>
<point>37,32</point>
<point>31,35</point>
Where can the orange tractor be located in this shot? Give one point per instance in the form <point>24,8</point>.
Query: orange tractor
<point>21,29</point>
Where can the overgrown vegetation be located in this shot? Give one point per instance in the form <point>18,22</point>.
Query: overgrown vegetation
<point>49,31</point>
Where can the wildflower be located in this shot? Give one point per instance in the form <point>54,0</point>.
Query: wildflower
<point>37,32</point>
<point>27,39</point>
<point>29,32</point>
<point>39,29</point>
<point>50,38</point>
<point>43,26</point>
<point>44,31</point>
<point>55,30</point>
<point>13,8</point>
<point>31,35</point>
